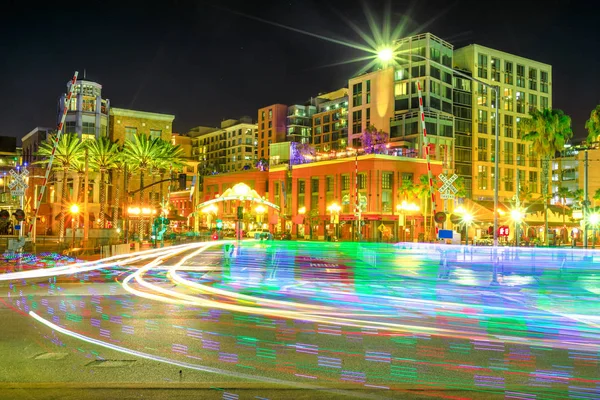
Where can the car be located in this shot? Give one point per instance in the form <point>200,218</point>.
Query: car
<point>258,233</point>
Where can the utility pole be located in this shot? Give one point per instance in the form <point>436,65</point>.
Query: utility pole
<point>86,213</point>
<point>585,200</point>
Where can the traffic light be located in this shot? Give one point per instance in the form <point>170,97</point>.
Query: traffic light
<point>182,181</point>
<point>19,215</point>
<point>240,212</point>
<point>219,224</point>
<point>215,236</point>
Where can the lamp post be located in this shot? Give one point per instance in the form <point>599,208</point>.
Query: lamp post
<point>402,209</point>
<point>210,211</point>
<point>467,219</point>
<point>517,216</point>
<point>387,54</point>
<point>334,210</point>
<point>260,212</point>
<point>74,213</point>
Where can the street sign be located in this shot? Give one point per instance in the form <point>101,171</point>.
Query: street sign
<point>17,227</point>
<point>503,231</point>
<point>447,190</point>
<point>440,217</point>
<point>445,234</point>
<point>18,184</point>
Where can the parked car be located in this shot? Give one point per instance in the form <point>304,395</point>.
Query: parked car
<point>259,233</point>
<point>284,236</point>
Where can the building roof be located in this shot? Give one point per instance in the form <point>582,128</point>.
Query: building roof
<point>123,112</point>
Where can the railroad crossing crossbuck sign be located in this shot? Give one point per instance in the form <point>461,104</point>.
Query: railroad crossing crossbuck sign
<point>18,185</point>
<point>448,190</point>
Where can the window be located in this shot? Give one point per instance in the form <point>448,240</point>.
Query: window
<point>345,182</point>
<point>482,98</point>
<point>386,180</point>
<point>533,79</point>
<point>509,184</point>
<point>521,154</point>
<point>88,128</point>
<point>495,69</point>
<point>357,95</point>
<point>508,126</point>
<point>314,193</point>
<point>508,99</point>
<point>520,75</point>
<point>543,102</point>
<point>418,70</point>
<point>482,65</point>
<point>508,73</point>
<point>368,91</point>
<point>270,133</point>
<point>482,121</point>
<point>357,121</point>
<point>532,102</point>
<point>435,72</point>
<point>362,181</point>
<point>368,114</point>
<point>543,81</point>
<point>508,152</point>
<point>130,132</point>
<point>262,116</point>
<point>70,127</point>
<point>482,149</point>
<point>318,121</point>
<point>155,133</point>
<point>520,102</point>
<point>482,177</point>
<point>401,89</point>
<point>533,181</point>
<point>270,114</point>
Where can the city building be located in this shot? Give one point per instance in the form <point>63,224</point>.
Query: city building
<point>88,111</point>
<point>31,143</point>
<point>125,124</point>
<point>330,122</point>
<point>524,85</point>
<point>232,147</point>
<point>299,123</point>
<point>272,125</point>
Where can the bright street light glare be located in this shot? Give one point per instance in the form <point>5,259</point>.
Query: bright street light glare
<point>385,54</point>
<point>467,218</point>
<point>594,219</point>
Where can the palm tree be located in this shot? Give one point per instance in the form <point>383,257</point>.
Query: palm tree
<point>117,170</point>
<point>597,196</point>
<point>461,188</point>
<point>170,159</point>
<point>563,193</point>
<point>578,197</point>
<point>408,188</point>
<point>141,153</point>
<point>548,131</point>
<point>103,156</point>
<point>593,125</point>
<point>69,153</point>
<point>424,192</point>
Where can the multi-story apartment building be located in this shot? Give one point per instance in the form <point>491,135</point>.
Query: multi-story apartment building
<point>462,108</point>
<point>31,143</point>
<point>299,123</point>
<point>524,85</point>
<point>330,123</point>
<point>232,147</point>
<point>371,102</point>
<point>88,111</point>
<point>125,124</point>
<point>272,123</point>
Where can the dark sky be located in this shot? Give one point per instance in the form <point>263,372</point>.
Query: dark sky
<point>203,63</point>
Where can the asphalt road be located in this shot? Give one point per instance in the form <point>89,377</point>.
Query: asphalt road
<point>283,320</point>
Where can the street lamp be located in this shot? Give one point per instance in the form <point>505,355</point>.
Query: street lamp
<point>260,212</point>
<point>210,210</point>
<point>517,216</point>
<point>467,219</point>
<point>402,209</point>
<point>334,210</point>
<point>387,54</point>
<point>74,212</point>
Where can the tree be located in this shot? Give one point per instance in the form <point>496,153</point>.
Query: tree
<point>104,155</point>
<point>578,197</point>
<point>548,131</point>
<point>461,188</point>
<point>563,193</point>
<point>170,159</point>
<point>374,141</point>
<point>597,196</point>
<point>262,164</point>
<point>68,153</point>
<point>301,153</point>
<point>593,125</point>
<point>424,193</point>
<point>408,188</point>
<point>141,153</point>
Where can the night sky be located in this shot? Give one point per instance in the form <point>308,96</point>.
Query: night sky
<point>205,62</point>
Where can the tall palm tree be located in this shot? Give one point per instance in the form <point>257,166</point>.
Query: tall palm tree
<point>424,193</point>
<point>408,189</point>
<point>103,156</point>
<point>170,159</point>
<point>563,193</point>
<point>141,153</point>
<point>578,197</point>
<point>548,130</point>
<point>593,125</point>
<point>69,153</point>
